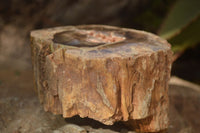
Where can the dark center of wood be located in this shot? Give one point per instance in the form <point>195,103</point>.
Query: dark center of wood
<point>87,38</point>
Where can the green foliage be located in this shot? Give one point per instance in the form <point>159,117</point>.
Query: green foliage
<point>182,25</point>
<point>188,37</point>
<point>17,73</point>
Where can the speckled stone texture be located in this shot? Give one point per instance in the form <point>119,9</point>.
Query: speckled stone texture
<point>105,73</point>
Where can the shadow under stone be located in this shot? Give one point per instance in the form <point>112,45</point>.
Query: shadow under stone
<point>117,126</point>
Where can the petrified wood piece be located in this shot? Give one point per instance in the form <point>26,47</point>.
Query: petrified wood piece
<point>105,73</point>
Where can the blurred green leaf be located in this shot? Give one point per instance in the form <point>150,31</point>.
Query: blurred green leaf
<point>182,13</point>
<point>188,37</point>
<point>17,73</point>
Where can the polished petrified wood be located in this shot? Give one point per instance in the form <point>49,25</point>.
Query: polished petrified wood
<point>105,73</point>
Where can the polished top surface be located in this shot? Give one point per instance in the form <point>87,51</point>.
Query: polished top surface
<point>99,40</point>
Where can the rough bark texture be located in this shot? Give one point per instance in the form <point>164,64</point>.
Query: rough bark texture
<point>105,73</point>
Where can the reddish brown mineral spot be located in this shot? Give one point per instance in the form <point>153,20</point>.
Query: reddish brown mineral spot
<point>101,37</point>
<point>106,73</point>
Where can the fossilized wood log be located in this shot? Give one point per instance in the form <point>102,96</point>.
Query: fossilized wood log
<point>105,73</point>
